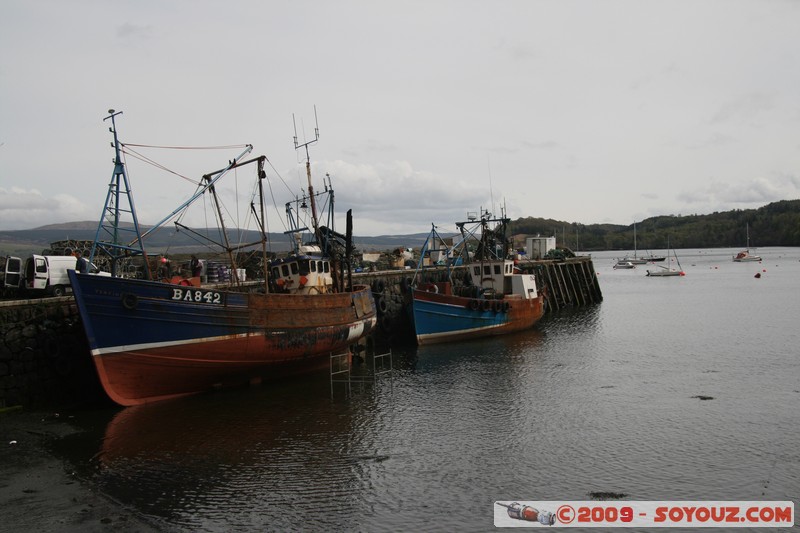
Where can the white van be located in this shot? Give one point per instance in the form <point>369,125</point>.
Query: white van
<point>41,273</point>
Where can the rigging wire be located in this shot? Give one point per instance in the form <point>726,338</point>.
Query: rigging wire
<point>221,147</point>
<point>127,150</point>
<point>272,194</point>
<point>137,155</point>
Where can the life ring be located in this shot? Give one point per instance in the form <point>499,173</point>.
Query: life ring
<point>431,287</point>
<point>474,305</point>
<point>130,301</point>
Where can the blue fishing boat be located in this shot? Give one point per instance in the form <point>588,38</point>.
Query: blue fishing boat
<point>492,297</point>
<point>152,340</point>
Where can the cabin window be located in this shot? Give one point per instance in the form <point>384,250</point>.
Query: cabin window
<point>40,266</point>
<point>304,268</point>
<point>508,269</point>
<point>285,270</point>
<point>477,270</point>
<point>497,269</point>
<point>326,266</point>
<point>294,267</point>
<point>313,266</point>
<point>487,270</point>
<point>320,267</point>
<point>276,273</point>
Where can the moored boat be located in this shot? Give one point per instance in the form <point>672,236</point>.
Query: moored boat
<point>152,340</point>
<point>636,259</point>
<point>667,271</point>
<point>495,297</point>
<point>745,256</point>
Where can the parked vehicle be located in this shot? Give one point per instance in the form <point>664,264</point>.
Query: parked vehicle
<point>43,274</point>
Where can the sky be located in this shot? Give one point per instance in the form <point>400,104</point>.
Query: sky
<point>584,111</point>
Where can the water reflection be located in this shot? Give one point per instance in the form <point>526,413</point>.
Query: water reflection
<point>240,460</point>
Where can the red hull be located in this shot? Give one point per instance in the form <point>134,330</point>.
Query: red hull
<point>136,377</point>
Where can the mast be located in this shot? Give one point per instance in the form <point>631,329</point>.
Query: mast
<point>215,200</point>
<point>747,233</point>
<point>111,223</point>
<point>314,220</point>
<point>263,222</point>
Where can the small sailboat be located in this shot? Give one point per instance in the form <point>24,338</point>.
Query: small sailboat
<point>745,256</point>
<point>635,260</point>
<point>665,271</point>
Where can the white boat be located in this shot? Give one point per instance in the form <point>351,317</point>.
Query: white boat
<point>636,260</point>
<point>745,256</point>
<point>665,271</point>
<point>621,264</point>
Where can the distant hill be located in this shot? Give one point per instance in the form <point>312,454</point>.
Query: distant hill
<point>35,240</point>
<point>90,225</point>
<point>775,224</point>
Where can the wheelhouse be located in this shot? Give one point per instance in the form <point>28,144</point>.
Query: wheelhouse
<point>502,277</point>
<point>302,274</point>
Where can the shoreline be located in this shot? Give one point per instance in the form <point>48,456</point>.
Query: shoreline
<point>38,492</point>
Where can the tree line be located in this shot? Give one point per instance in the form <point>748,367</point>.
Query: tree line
<point>775,224</point>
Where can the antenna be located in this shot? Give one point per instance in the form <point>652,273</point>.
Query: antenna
<point>491,188</point>
<point>305,145</point>
<point>316,133</point>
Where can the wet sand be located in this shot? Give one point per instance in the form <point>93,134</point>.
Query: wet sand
<point>38,492</point>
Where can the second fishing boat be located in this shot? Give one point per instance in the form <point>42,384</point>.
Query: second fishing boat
<point>494,298</point>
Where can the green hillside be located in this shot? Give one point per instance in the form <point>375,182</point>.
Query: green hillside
<point>776,224</point>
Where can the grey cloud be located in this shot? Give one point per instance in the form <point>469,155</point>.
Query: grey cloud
<point>130,31</point>
<point>746,107</point>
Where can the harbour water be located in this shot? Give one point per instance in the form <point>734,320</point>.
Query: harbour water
<point>677,388</point>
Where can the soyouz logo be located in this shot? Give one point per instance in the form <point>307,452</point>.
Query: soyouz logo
<point>644,513</point>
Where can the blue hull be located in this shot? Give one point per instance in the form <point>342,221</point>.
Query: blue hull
<point>153,340</point>
<point>442,318</point>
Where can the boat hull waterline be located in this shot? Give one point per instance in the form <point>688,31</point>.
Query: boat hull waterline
<point>152,341</point>
<point>442,317</point>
